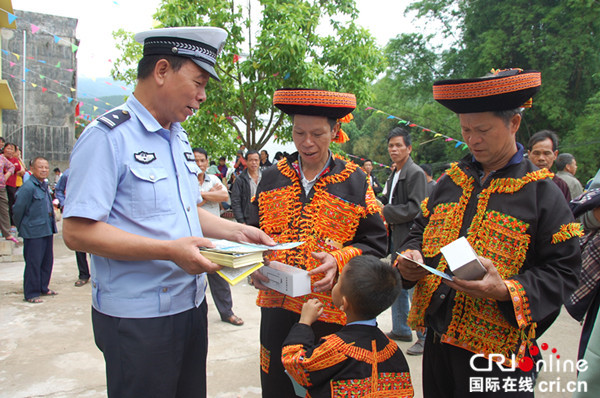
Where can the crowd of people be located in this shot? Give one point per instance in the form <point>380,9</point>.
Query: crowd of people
<point>151,200</point>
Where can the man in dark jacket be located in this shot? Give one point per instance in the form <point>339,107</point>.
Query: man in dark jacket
<point>34,217</point>
<point>244,187</point>
<point>404,191</point>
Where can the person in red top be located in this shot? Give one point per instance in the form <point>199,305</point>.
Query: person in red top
<point>7,169</point>
<point>10,153</point>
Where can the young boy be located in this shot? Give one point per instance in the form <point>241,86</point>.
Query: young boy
<point>359,360</point>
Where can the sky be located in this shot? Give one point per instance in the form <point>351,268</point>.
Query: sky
<point>99,18</point>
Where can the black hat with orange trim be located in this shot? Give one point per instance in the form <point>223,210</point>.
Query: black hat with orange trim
<point>312,102</point>
<point>503,90</point>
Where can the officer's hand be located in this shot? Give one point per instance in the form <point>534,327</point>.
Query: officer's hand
<point>185,253</point>
<point>328,267</point>
<point>491,286</point>
<point>257,279</point>
<point>409,270</point>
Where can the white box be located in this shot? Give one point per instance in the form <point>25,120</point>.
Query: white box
<point>286,279</point>
<point>462,260</point>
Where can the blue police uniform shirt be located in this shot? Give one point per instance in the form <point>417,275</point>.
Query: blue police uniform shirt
<point>141,178</point>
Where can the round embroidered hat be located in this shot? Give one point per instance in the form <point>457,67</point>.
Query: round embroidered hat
<point>503,90</point>
<point>312,102</point>
<point>201,44</point>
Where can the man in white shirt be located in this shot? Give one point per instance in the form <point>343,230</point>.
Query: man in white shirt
<point>213,193</point>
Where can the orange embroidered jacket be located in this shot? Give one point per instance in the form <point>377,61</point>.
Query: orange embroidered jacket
<point>339,216</point>
<point>357,361</point>
<point>517,218</point>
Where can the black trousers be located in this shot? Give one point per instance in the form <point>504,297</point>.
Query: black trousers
<point>447,373</point>
<point>39,259</point>
<point>82,265</point>
<point>162,357</point>
<point>275,324</point>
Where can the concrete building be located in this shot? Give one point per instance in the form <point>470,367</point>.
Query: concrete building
<point>7,101</point>
<point>47,63</point>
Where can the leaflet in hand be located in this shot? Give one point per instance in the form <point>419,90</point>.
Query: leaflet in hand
<point>427,267</point>
<point>226,246</point>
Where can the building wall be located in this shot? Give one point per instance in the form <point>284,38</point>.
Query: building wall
<point>49,119</point>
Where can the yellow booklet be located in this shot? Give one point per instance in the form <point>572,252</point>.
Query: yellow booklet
<point>235,275</point>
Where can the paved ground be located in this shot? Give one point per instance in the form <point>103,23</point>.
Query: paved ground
<point>47,350</point>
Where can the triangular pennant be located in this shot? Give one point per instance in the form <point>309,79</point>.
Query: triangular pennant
<point>17,56</point>
<point>74,47</point>
<point>5,51</point>
<point>56,39</point>
<point>391,117</point>
<point>95,107</point>
<point>12,63</point>
<point>34,85</point>
<point>58,95</point>
<point>42,77</point>
<point>69,99</point>
<point>11,17</point>
<point>72,89</point>
<point>458,143</point>
<point>27,70</point>
<point>41,62</point>
<point>44,89</point>
<point>34,29</point>
<point>58,64</point>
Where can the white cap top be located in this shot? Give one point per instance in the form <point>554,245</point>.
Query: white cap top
<point>200,44</point>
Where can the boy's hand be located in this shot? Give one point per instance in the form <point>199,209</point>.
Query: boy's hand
<point>311,311</point>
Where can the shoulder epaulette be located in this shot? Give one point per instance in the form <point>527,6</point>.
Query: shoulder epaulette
<point>113,118</point>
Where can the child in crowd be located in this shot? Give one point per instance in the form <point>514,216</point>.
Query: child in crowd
<point>359,360</point>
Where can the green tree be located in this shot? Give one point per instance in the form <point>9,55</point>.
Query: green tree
<point>558,38</point>
<point>405,92</point>
<point>286,51</point>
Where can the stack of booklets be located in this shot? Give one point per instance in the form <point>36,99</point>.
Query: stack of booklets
<point>239,259</point>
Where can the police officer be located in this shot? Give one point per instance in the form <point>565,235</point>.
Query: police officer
<point>132,204</point>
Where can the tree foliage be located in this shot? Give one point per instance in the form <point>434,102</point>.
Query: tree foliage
<point>287,50</point>
<point>558,38</point>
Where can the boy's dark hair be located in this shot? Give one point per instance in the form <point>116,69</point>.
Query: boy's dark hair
<point>400,132</point>
<point>148,62</point>
<point>222,158</point>
<point>370,285</point>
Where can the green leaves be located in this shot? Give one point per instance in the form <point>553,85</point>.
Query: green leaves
<point>282,49</point>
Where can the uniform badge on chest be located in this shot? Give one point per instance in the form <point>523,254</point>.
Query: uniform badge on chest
<point>144,157</point>
<point>189,156</point>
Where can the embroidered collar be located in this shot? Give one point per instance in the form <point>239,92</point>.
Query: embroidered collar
<point>515,159</point>
<point>297,165</point>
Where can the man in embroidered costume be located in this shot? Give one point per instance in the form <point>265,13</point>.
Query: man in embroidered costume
<point>517,221</point>
<point>359,360</point>
<point>322,200</point>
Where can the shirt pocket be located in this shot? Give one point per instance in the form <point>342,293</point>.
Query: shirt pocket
<point>150,192</point>
<point>193,180</point>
